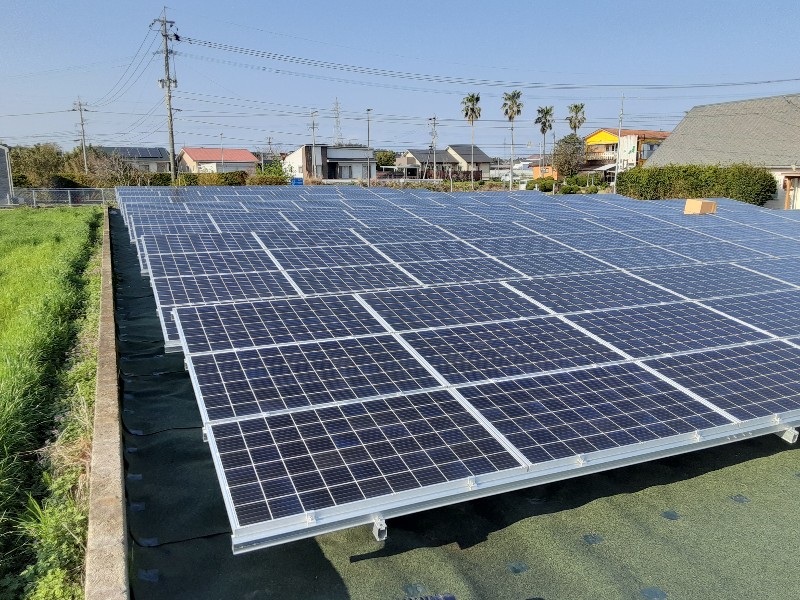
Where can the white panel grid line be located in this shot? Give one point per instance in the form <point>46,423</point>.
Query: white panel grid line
<point>757,272</point>
<point>213,222</point>
<point>285,218</point>
<point>486,254</point>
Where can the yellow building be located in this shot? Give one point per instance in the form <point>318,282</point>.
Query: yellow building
<point>635,146</point>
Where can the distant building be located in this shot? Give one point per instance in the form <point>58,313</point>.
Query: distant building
<point>151,160</point>
<point>331,162</point>
<point>216,160</point>
<point>635,147</point>
<point>458,158</point>
<point>759,132</point>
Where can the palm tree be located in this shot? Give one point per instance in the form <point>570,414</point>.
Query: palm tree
<point>545,122</point>
<point>512,108</point>
<point>576,117</point>
<point>472,112</point>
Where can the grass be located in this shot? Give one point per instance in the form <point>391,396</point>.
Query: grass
<point>43,294</point>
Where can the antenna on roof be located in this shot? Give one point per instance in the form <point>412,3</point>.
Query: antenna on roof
<point>337,127</point>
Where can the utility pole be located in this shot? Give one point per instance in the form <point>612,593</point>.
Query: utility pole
<point>79,108</point>
<point>337,127</point>
<point>168,83</point>
<point>314,143</point>
<point>369,157</point>
<point>433,144</point>
<point>619,140</point>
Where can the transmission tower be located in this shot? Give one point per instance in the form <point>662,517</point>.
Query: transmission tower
<point>337,127</point>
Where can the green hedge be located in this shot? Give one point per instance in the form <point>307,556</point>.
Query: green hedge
<point>545,184</point>
<point>746,183</point>
<point>259,179</point>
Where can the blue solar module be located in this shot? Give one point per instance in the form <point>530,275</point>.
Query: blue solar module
<point>774,245</point>
<point>215,242</point>
<point>642,257</point>
<point>327,256</point>
<point>566,226</point>
<point>481,352</point>
<point>772,312</point>
<point>450,305</point>
<point>669,236</point>
<point>529,244</point>
<point>265,380</point>
<point>209,263</point>
<point>460,271</point>
<point>308,238</point>
<point>784,269</point>
<point>557,263</point>
<point>598,241</point>
<point>487,230</point>
<point>716,252</point>
<point>710,281</point>
<point>350,279</point>
<point>565,414</point>
<point>206,289</point>
<point>404,235</point>
<point>748,381</point>
<point>427,251</point>
<point>572,293</point>
<point>248,324</point>
<point>287,465</point>
<point>665,329</point>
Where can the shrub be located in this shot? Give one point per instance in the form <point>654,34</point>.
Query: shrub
<point>746,183</point>
<point>545,184</point>
<point>569,189</point>
<point>233,178</point>
<point>160,179</point>
<point>186,179</point>
<point>592,189</point>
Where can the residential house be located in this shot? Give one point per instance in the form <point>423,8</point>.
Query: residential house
<point>635,147</point>
<point>151,160</point>
<point>326,162</point>
<point>759,131</point>
<point>465,156</point>
<point>455,158</point>
<point>216,160</point>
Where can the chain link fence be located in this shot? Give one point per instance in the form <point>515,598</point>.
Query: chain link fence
<point>63,197</point>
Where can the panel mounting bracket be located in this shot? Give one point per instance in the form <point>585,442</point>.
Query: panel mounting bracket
<point>788,435</point>
<point>205,434</point>
<point>379,529</point>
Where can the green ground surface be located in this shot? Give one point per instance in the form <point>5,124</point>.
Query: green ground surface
<point>599,537</point>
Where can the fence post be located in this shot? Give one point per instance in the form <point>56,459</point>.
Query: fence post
<point>103,195</point>
<point>69,197</point>
<point>34,198</point>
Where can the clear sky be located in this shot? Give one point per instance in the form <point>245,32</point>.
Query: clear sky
<point>420,58</point>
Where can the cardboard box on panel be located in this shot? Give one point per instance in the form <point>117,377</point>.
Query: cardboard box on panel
<point>698,206</point>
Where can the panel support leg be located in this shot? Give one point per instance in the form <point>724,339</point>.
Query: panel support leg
<point>788,435</point>
<point>379,529</point>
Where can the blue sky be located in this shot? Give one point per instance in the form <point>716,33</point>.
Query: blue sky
<point>52,54</point>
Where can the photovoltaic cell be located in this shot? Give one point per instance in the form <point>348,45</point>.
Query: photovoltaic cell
<point>248,324</point>
<point>565,414</point>
<point>214,242</point>
<point>308,239</point>
<point>209,263</point>
<point>451,305</point>
<point>557,263</point>
<point>641,257</point>
<point>784,269</point>
<point>665,329</point>
<point>460,271</point>
<point>481,352</point>
<point>205,289</point>
<point>350,279</point>
<point>773,312</point>
<point>427,251</point>
<point>286,465</point>
<point>334,256</point>
<point>748,381</point>
<point>709,281</point>
<point>529,244</point>
<point>265,380</point>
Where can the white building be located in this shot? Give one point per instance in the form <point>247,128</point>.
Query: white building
<point>341,163</point>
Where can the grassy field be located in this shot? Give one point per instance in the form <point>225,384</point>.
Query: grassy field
<point>43,295</point>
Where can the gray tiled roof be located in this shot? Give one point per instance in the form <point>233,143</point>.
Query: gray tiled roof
<point>465,152</point>
<point>763,131</point>
<point>423,156</point>
<point>136,152</point>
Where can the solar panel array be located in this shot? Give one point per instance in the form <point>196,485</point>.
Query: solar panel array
<point>364,353</point>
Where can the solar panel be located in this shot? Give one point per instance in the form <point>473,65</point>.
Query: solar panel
<point>642,257</point>
<point>566,414</point>
<point>710,281</point>
<point>512,348</point>
<point>529,244</point>
<point>748,381</point>
<point>460,271</point>
<point>208,263</point>
<point>421,308</point>
<point>784,269</point>
<point>772,312</point>
<point>557,263</point>
<point>350,279</point>
<point>277,378</point>
<point>206,289</point>
<point>250,324</point>
<point>665,329</point>
<point>327,256</point>
<point>427,251</point>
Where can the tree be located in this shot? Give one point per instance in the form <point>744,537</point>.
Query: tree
<point>384,158</point>
<point>576,117</point>
<point>472,112</point>
<point>569,155</point>
<point>38,164</point>
<point>544,120</point>
<point>512,108</point>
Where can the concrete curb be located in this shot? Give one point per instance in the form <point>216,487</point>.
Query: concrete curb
<point>106,547</point>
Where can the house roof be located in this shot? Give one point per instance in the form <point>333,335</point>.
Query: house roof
<point>217,155</point>
<point>425,155</point>
<point>760,131</point>
<point>136,152</point>
<point>644,133</point>
<point>465,152</point>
